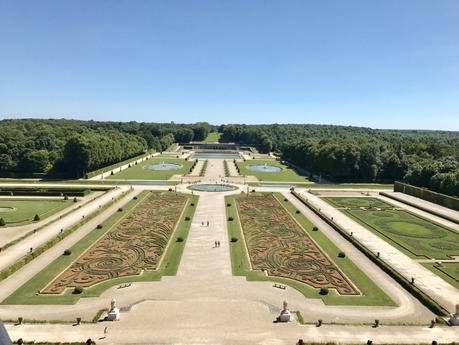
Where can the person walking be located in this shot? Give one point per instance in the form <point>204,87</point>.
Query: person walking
<point>105,332</point>
<point>207,223</point>
<point>218,244</point>
<point>215,244</point>
<point>202,223</point>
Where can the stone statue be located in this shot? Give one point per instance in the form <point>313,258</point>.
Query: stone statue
<point>284,315</point>
<point>114,312</point>
<point>454,319</point>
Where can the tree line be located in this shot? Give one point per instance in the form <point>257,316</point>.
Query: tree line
<point>71,148</point>
<point>355,154</point>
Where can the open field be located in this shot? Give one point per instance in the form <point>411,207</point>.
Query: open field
<point>141,171</point>
<point>283,242</point>
<point>286,175</point>
<point>107,256</point>
<point>17,212</point>
<point>211,138</point>
<point>414,235</point>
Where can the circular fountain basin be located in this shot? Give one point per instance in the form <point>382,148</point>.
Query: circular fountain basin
<point>212,187</point>
<point>264,168</point>
<point>163,166</point>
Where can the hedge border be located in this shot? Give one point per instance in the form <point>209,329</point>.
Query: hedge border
<point>420,207</point>
<point>426,194</point>
<point>427,301</point>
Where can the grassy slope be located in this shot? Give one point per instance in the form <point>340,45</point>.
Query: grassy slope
<point>372,295</point>
<point>26,294</point>
<point>212,137</point>
<point>137,172</point>
<point>286,175</point>
<point>27,209</point>
<point>407,243</point>
<point>449,272</point>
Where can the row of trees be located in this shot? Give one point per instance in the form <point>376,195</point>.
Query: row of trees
<point>71,148</point>
<point>422,158</point>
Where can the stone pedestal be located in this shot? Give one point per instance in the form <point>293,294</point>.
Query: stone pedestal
<point>114,312</point>
<point>285,314</point>
<point>454,319</point>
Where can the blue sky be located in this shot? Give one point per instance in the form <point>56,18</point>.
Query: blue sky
<point>382,64</point>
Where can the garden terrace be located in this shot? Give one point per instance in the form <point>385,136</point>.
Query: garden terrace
<point>414,235</point>
<point>286,174</point>
<point>142,171</point>
<point>136,243</point>
<point>16,212</point>
<point>46,191</point>
<point>276,243</point>
<point>449,271</point>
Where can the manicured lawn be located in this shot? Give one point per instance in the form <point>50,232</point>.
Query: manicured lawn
<point>212,138</point>
<point>242,264</point>
<point>285,175</point>
<point>449,271</point>
<point>17,212</point>
<point>168,264</point>
<point>142,172</point>
<point>416,236</point>
<point>357,203</point>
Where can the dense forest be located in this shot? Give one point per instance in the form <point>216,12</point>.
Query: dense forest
<point>71,148</point>
<point>354,154</point>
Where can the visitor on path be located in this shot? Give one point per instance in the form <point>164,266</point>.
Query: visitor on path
<point>105,332</point>
<point>215,244</point>
<point>202,223</point>
<point>207,223</point>
<point>218,244</point>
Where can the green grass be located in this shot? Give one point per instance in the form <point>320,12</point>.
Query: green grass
<point>27,293</point>
<point>117,165</point>
<point>211,138</point>
<point>416,236</point>
<point>140,172</point>
<point>25,209</point>
<point>448,271</point>
<point>356,203</point>
<point>286,175</point>
<point>371,293</point>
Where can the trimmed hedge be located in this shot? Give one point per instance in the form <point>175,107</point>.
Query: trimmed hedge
<point>424,193</point>
<point>405,283</point>
<point>18,191</point>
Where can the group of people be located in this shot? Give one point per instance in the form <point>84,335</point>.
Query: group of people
<point>203,223</point>
<point>217,244</point>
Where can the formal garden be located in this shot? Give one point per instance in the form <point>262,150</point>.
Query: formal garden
<point>16,212</point>
<point>449,271</point>
<point>416,236</point>
<point>267,234</point>
<point>142,241</point>
<point>156,168</point>
<point>270,170</point>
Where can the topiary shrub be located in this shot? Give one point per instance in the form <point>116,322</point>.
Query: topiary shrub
<point>75,199</point>
<point>77,290</point>
<point>315,228</point>
<point>120,210</point>
<point>99,226</point>
<point>36,218</point>
<point>170,189</point>
<point>2,222</point>
<point>66,197</point>
<point>135,198</point>
<point>234,239</point>
<point>341,254</point>
<point>192,204</point>
<point>285,199</point>
<point>187,218</point>
<point>179,239</point>
<point>323,291</point>
<point>297,211</point>
<point>67,252</point>
<point>230,219</point>
<point>253,190</point>
<point>228,205</point>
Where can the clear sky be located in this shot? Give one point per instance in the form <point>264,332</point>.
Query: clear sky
<point>382,64</point>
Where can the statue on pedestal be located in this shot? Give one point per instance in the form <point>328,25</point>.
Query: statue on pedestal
<point>114,312</point>
<point>454,319</point>
<point>284,315</point>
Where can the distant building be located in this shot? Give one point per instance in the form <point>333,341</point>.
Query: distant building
<point>4,338</point>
